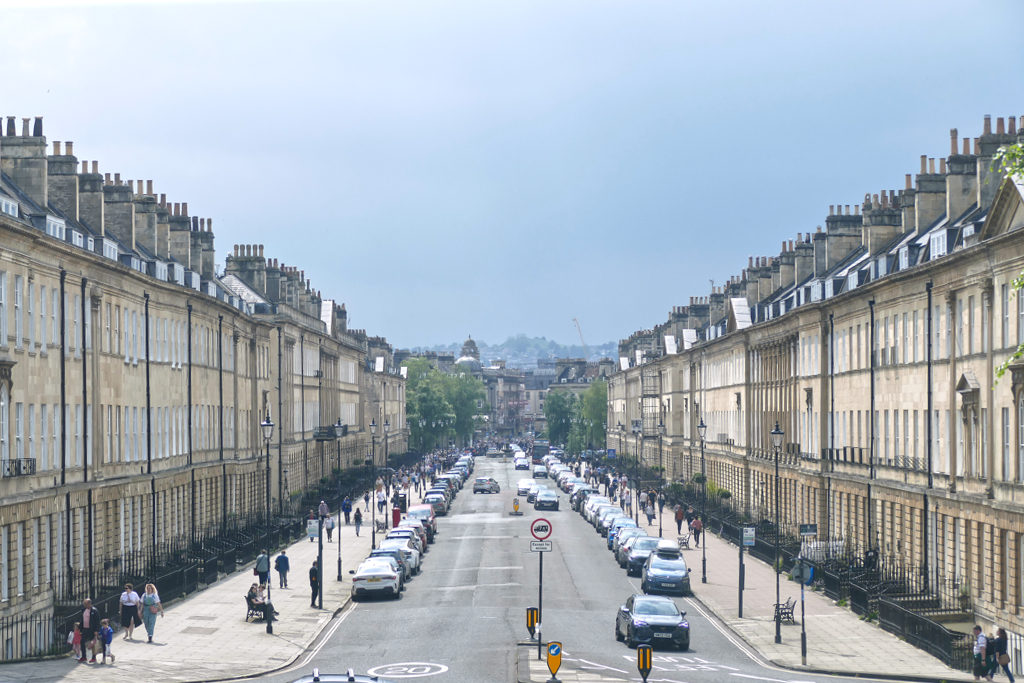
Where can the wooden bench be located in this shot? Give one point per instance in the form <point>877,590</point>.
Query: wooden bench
<point>784,611</point>
<point>684,541</point>
<point>252,610</point>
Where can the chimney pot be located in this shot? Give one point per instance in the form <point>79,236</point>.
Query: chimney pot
<point>184,208</point>
<point>931,165</point>
<point>1000,127</point>
<point>117,178</point>
<point>1011,124</point>
<point>37,129</point>
<point>209,225</point>
<point>106,178</point>
<point>149,188</point>
<point>831,209</point>
<point>138,184</point>
<point>967,146</point>
<point>952,141</point>
<point>85,167</point>
<point>69,148</point>
<point>261,251</point>
<point>987,127</point>
<point>177,209</point>
<point>131,186</point>
<point>750,262</point>
<point>202,225</point>
<point>907,182</point>
<point>95,167</point>
<point>236,251</point>
<point>24,126</point>
<point>924,164</point>
<point>942,165</point>
<point>56,148</point>
<point>163,200</point>
<point>976,141</point>
<point>10,126</point>
<point>856,209</point>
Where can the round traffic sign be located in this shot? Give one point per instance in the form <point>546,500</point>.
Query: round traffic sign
<point>541,529</point>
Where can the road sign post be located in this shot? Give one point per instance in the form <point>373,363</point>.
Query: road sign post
<point>541,530</point>
<point>554,660</point>
<point>644,660</point>
<point>748,537</point>
<point>804,574</point>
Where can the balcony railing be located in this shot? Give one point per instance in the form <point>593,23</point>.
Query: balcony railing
<point>17,467</point>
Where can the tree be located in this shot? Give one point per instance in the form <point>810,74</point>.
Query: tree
<point>559,410</point>
<point>447,404</point>
<point>1010,161</point>
<point>594,412</point>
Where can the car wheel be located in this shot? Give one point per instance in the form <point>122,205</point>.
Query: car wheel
<point>643,587</point>
<point>618,636</point>
<point>630,643</point>
<point>684,646</point>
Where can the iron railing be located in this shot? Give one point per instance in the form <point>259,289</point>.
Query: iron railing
<point>952,648</point>
<point>17,467</point>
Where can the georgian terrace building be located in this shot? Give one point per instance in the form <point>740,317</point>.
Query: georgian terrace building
<point>873,343</point>
<point>133,380</point>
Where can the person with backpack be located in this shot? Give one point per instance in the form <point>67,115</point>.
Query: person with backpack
<point>346,507</point>
<point>696,526</point>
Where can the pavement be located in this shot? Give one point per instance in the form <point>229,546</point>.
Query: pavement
<point>838,642</point>
<point>204,637</point>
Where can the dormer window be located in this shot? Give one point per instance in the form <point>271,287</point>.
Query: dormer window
<point>77,238</point>
<point>160,271</point>
<point>9,207</point>
<point>110,250</point>
<point>55,227</point>
<point>904,257</point>
<point>816,291</point>
<point>937,245</point>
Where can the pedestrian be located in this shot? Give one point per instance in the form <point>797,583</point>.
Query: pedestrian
<point>106,636</point>
<point>643,499</point>
<point>649,511</point>
<point>282,566</point>
<point>312,515</point>
<point>314,584</point>
<point>1002,654</point>
<point>382,499</point>
<point>696,526</point>
<point>366,500</point>
<point>980,645</point>
<point>151,606</point>
<point>346,507</point>
<point>263,567</point>
<point>329,526</point>
<point>358,520</point>
<point>130,611</point>
<point>90,624</point>
<point>324,510</point>
<point>661,502</point>
<point>990,657</point>
<point>75,639</point>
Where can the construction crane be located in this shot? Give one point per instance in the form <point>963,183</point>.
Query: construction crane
<point>586,354</point>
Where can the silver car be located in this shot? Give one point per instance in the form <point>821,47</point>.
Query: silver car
<point>486,485</point>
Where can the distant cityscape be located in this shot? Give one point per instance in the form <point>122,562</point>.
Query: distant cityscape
<point>521,351</point>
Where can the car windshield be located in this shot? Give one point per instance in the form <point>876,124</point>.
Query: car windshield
<point>665,564</point>
<point>420,514</point>
<point>661,608</point>
<point>482,480</point>
<point>546,494</point>
<point>646,543</point>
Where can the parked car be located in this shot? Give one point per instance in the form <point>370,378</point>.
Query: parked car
<point>652,620</point>
<point>664,573</point>
<point>392,562</point>
<point>523,487</point>
<point>412,535</point>
<point>613,529</point>
<point>406,545</point>
<point>546,500</point>
<point>486,485</point>
<point>634,555</point>
<point>623,535</point>
<point>398,556</point>
<point>375,578</point>
<point>436,501</point>
<point>426,514</point>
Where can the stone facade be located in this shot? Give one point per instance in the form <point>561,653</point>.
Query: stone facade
<point>133,379</point>
<point>873,344</point>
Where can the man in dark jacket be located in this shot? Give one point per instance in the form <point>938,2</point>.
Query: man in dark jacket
<point>282,566</point>
<point>314,583</point>
<point>90,627</point>
<point>346,507</point>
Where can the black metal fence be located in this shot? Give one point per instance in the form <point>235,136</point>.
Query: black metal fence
<point>177,568</point>
<point>954,649</point>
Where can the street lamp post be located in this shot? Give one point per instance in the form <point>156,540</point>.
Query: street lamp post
<point>702,430</point>
<point>373,460</point>
<point>777,435</point>
<point>267,427</point>
<point>339,429</point>
<point>661,475</point>
<point>637,435</point>
<point>387,427</point>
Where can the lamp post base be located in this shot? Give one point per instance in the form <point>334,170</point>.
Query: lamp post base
<point>339,568</point>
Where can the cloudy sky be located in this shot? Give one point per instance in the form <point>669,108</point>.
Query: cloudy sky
<point>495,167</point>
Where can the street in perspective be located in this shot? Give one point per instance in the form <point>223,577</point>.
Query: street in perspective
<point>511,342</point>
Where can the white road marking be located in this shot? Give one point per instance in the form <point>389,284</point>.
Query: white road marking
<point>602,666</point>
<point>773,680</point>
<point>478,538</point>
<point>466,569</point>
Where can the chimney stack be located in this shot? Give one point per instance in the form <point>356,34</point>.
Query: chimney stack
<point>24,159</point>
<point>62,184</point>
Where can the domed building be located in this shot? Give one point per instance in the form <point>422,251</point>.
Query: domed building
<point>469,358</point>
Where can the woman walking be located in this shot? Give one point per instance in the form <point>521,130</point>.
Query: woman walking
<point>151,606</point>
<point>1002,656</point>
<point>131,611</point>
<point>358,520</point>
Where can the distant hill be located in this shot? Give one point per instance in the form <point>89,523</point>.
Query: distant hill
<point>521,351</point>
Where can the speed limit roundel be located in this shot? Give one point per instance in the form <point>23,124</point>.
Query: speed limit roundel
<point>541,529</point>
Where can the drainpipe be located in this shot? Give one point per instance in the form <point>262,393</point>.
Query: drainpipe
<point>832,414</point>
<point>192,489</point>
<point>280,429</point>
<point>220,417</point>
<point>85,412</point>
<point>928,429</point>
<point>63,392</point>
<point>149,409</point>
<point>302,409</point>
<point>871,421</point>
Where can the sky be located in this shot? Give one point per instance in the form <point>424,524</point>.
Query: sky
<point>495,167</point>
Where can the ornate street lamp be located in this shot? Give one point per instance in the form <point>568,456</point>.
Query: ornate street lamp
<point>777,435</point>
<point>661,474</point>
<point>339,431</point>
<point>702,429</point>
<point>637,435</point>
<point>267,427</point>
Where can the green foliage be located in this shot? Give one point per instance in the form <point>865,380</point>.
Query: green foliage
<point>447,404</point>
<point>712,488</point>
<point>724,493</point>
<point>560,408</point>
<point>842,602</point>
<point>577,420</point>
<point>699,478</point>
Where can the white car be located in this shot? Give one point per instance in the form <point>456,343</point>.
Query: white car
<point>376,578</point>
<point>408,550</point>
<point>411,534</point>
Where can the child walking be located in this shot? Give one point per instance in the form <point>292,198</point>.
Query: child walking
<point>75,638</point>
<point>106,637</point>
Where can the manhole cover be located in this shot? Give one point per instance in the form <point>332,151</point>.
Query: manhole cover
<point>199,630</point>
